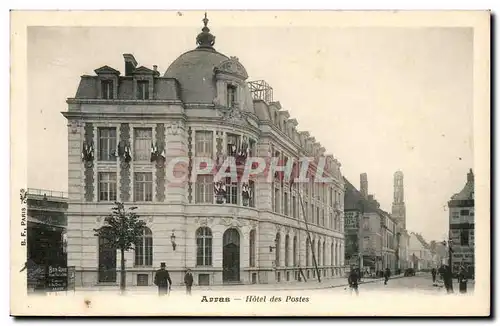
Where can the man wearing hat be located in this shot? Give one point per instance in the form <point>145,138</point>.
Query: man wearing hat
<point>162,280</point>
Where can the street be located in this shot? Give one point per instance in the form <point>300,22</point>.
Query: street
<point>421,284</point>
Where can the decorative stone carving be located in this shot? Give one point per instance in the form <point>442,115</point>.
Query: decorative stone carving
<point>232,115</point>
<point>190,166</point>
<point>89,168</point>
<point>74,126</point>
<point>287,229</point>
<point>150,219</point>
<point>232,222</point>
<point>232,66</point>
<point>160,168</point>
<point>254,224</point>
<point>125,167</point>
<point>204,221</point>
<point>175,127</point>
<point>98,219</point>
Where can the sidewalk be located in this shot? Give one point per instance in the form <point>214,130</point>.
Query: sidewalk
<point>309,285</point>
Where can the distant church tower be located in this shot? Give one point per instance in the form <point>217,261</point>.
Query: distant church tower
<point>398,205</point>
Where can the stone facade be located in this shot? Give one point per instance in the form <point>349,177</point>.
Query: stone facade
<point>125,132</point>
<point>461,221</point>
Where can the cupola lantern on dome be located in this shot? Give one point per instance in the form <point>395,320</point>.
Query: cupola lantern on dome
<point>205,39</point>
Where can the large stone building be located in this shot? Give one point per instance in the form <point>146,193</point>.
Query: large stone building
<point>371,241</point>
<point>46,238</point>
<point>461,221</point>
<point>124,131</point>
<point>421,257</point>
<point>46,227</point>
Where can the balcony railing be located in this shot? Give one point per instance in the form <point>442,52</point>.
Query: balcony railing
<point>47,193</point>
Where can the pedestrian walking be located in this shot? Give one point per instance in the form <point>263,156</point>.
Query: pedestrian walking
<point>462,280</point>
<point>448,279</point>
<point>162,280</point>
<point>188,281</point>
<point>434,273</point>
<point>353,281</point>
<point>387,274</point>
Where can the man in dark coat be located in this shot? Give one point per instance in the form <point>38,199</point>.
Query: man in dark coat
<point>162,280</point>
<point>462,280</point>
<point>188,281</point>
<point>434,273</point>
<point>387,274</point>
<point>353,281</point>
<point>448,279</point>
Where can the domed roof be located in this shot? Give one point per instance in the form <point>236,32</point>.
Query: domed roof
<point>195,69</point>
<point>195,72</point>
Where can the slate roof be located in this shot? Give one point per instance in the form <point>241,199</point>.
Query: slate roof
<point>195,72</point>
<point>467,192</point>
<point>353,199</point>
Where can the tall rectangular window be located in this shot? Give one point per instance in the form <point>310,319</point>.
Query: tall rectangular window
<point>143,139</point>
<point>276,200</point>
<point>204,189</point>
<point>231,96</point>
<point>204,143</point>
<point>464,237</point>
<point>233,144</point>
<point>251,186</point>
<point>294,206</point>
<point>317,215</point>
<point>285,203</point>
<point>142,89</point>
<point>143,186</point>
<point>107,186</point>
<point>231,192</point>
<point>107,89</point>
<point>306,209</point>
<point>107,144</point>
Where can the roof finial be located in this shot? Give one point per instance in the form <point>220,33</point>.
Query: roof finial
<point>205,20</point>
<point>205,39</point>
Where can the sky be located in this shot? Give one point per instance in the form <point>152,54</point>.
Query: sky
<point>379,99</point>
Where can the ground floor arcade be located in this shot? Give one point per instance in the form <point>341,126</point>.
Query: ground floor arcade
<point>219,250</point>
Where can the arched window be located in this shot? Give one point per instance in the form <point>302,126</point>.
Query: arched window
<point>278,249</point>
<point>295,251</point>
<point>252,248</point>
<point>203,246</point>
<point>331,255</point>
<point>144,249</point>
<point>287,248</point>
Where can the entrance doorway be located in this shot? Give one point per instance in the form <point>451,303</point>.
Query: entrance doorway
<point>107,261</point>
<point>231,256</point>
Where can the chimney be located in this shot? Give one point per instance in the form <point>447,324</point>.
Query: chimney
<point>130,64</point>
<point>155,68</point>
<point>370,197</point>
<point>363,178</point>
<point>470,176</point>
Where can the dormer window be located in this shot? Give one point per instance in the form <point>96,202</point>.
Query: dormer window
<point>231,96</point>
<point>107,89</point>
<point>142,89</point>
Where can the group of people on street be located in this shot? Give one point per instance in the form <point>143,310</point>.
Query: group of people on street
<point>355,277</point>
<point>164,282</point>
<point>446,275</point>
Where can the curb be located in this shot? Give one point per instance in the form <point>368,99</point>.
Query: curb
<point>318,287</point>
